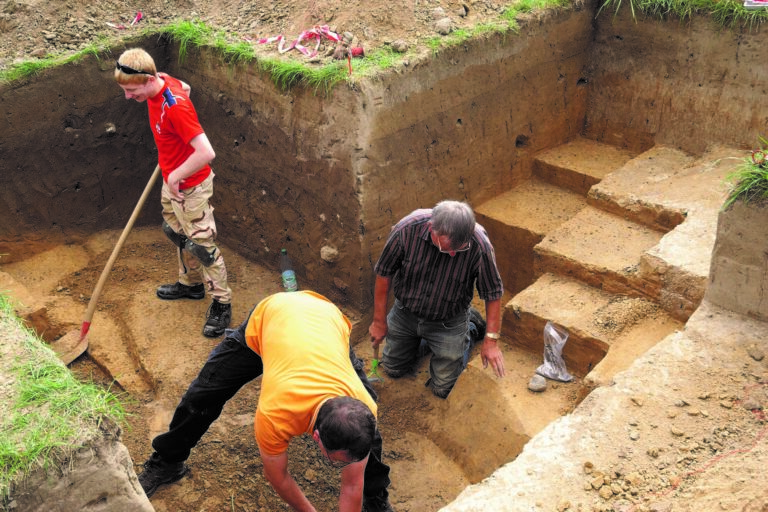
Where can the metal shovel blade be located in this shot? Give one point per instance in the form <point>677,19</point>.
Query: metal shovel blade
<point>70,346</point>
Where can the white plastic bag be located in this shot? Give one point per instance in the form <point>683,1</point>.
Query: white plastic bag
<point>553,368</point>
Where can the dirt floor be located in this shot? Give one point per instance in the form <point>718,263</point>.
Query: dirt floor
<point>154,349</point>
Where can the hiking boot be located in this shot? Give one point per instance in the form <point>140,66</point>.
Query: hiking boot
<point>181,291</point>
<point>157,472</point>
<point>217,319</point>
<point>378,503</point>
<point>476,325</point>
<point>395,374</point>
<point>438,392</point>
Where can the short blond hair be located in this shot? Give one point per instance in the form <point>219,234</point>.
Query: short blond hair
<point>137,59</point>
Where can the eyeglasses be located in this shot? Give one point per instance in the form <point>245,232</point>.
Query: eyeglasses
<point>129,70</point>
<point>463,248</point>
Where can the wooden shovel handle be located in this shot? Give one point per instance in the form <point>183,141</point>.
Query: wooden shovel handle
<point>108,267</point>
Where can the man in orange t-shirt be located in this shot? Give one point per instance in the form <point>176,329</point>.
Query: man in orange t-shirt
<point>312,383</point>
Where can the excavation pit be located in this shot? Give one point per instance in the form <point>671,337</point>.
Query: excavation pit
<point>309,172</point>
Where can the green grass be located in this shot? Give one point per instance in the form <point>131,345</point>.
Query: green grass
<point>725,13</point>
<point>46,413</point>
<point>30,68</point>
<point>287,73</point>
<point>749,182</point>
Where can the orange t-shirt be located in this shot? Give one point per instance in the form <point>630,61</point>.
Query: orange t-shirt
<point>303,340</point>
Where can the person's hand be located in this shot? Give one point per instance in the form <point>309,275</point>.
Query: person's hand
<point>491,354</point>
<point>173,187</point>
<point>378,331</point>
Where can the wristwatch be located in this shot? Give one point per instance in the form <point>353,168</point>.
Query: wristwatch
<point>492,335</point>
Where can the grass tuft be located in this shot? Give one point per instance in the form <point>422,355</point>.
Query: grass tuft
<point>725,13</point>
<point>749,182</point>
<point>46,412</point>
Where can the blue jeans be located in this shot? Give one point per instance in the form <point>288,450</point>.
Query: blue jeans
<point>229,367</point>
<point>446,339</point>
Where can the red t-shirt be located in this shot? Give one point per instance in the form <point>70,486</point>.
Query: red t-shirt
<point>174,124</point>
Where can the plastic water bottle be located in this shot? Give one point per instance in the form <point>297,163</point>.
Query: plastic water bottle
<point>287,273</point>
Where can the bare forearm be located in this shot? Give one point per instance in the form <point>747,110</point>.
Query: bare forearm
<point>289,490</point>
<point>493,316</point>
<point>380,296</point>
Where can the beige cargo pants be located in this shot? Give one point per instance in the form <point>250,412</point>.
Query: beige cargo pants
<point>194,218</point>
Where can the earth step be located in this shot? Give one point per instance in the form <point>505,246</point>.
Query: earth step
<point>602,250</point>
<point>637,189</point>
<point>579,164</point>
<point>666,189</point>
<point>598,322</point>
<point>518,219</point>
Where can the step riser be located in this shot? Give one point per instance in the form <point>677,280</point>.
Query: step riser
<point>611,282</point>
<point>653,216</point>
<point>581,353</point>
<point>563,177</point>
<point>514,252</point>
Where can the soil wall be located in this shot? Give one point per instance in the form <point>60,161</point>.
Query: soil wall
<point>738,275</point>
<point>467,125</point>
<point>324,176</point>
<point>684,84</point>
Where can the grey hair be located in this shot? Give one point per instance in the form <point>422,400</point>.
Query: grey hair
<point>454,219</point>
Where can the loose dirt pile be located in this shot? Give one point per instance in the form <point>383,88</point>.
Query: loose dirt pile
<point>38,28</point>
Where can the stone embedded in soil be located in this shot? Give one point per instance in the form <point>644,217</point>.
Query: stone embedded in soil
<point>537,384</point>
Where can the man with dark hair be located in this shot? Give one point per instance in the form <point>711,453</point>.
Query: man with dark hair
<point>312,383</point>
<point>435,257</point>
<point>184,154</point>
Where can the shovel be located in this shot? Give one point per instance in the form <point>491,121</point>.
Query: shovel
<point>374,376</point>
<point>72,345</point>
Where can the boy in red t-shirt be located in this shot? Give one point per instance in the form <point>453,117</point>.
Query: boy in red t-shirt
<point>184,154</point>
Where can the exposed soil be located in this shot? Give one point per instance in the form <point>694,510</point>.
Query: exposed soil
<point>154,349</point>
<point>41,28</point>
<point>226,470</point>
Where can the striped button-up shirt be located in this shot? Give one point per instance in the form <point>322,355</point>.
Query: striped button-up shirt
<point>431,284</point>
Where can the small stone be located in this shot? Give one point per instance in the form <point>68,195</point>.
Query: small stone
<point>634,435</point>
<point>329,254</point>
<point>563,506</point>
<point>638,401</point>
<point>399,46</point>
<point>752,405</point>
<point>662,506</point>
<point>444,26</point>
<point>726,404</point>
<point>694,412</point>
<point>588,467</point>
<point>537,384</point>
<point>755,353</point>
<point>676,432</point>
<point>438,13</point>
<point>653,452</point>
<point>310,475</point>
<point>605,492</point>
<point>634,478</point>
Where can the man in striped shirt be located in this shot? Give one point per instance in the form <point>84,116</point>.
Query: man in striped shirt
<point>434,257</point>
